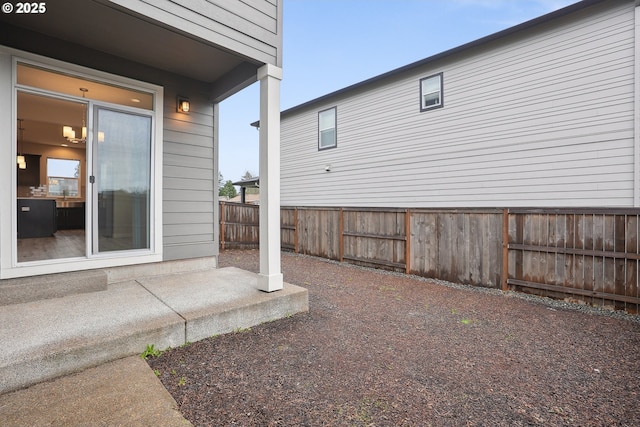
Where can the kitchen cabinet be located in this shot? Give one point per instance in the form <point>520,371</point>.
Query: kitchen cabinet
<point>70,217</point>
<point>36,218</point>
<point>30,177</point>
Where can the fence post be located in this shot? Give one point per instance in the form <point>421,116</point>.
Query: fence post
<point>407,242</point>
<point>295,230</point>
<point>341,228</point>
<point>222,218</point>
<point>505,248</point>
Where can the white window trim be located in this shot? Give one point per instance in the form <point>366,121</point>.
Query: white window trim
<point>440,91</point>
<point>9,267</point>
<point>335,129</point>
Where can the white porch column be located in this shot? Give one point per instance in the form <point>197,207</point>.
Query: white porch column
<point>270,276</point>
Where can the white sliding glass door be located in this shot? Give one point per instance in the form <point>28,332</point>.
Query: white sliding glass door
<point>87,173</point>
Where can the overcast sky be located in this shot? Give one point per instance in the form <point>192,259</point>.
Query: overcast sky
<point>331,44</point>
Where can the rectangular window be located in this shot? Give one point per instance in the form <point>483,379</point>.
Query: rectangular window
<point>62,177</point>
<point>327,129</point>
<point>431,92</point>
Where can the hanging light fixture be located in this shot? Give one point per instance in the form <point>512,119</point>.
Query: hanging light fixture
<point>69,133</point>
<point>20,158</point>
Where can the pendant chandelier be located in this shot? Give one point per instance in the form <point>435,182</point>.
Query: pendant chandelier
<point>69,133</point>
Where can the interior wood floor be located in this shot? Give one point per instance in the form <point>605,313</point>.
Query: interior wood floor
<point>65,244</point>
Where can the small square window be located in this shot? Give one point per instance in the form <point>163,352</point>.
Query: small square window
<point>431,92</point>
<point>327,137</point>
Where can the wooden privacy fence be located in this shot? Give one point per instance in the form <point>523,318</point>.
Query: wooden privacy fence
<point>590,255</point>
<point>239,226</point>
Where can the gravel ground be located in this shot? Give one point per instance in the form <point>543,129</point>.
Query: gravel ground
<point>384,349</point>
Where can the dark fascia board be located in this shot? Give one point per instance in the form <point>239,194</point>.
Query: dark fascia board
<point>479,42</point>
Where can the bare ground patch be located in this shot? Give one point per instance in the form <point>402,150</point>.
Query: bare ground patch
<point>380,349</point>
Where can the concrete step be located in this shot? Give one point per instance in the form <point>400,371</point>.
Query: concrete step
<point>34,288</point>
<point>49,338</point>
<point>229,302</point>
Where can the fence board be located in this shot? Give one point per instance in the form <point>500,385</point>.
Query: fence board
<point>288,235</point>
<point>632,247</point>
<point>423,249</point>
<point>475,245</point>
<point>589,261</point>
<point>569,242</point>
<point>493,254</point>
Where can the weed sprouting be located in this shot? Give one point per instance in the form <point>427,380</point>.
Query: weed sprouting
<point>150,351</point>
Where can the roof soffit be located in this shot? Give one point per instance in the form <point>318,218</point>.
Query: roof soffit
<point>119,32</point>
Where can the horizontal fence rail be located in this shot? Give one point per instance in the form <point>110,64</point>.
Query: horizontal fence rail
<point>585,255</point>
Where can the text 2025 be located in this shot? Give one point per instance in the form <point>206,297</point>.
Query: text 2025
<point>31,7</point>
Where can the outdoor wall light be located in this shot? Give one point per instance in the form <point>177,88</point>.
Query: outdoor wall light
<point>183,105</point>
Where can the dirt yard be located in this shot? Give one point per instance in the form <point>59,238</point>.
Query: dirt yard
<point>382,349</point>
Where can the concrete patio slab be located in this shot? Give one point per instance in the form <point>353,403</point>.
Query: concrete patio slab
<point>45,339</point>
<point>48,338</point>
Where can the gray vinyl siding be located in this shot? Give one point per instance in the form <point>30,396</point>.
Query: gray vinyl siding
<point>188,180</point>
<point>542,118</point>
<point>249,27</point>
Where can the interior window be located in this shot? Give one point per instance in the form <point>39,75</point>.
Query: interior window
<point>63,177</point>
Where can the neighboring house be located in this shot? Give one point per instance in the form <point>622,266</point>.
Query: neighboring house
<point>542,114</point>
<point>244,197</point>
<point>110,129</point>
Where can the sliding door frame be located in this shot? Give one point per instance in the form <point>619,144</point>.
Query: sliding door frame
<point>9,265</point>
